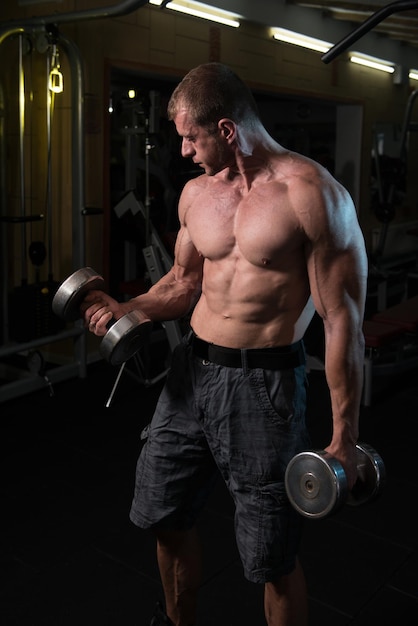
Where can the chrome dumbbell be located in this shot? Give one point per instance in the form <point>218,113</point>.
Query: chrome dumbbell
<point>124,337</point>
<point>316,483</point>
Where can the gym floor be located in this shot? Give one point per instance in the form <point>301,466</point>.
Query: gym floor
<point>71,557</point>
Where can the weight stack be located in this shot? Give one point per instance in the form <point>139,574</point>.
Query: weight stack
<point>30,312</point>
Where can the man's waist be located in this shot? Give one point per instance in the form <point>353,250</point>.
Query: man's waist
<point>276,358</point>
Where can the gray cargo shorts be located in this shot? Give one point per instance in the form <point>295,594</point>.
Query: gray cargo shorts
<point>242,421</point>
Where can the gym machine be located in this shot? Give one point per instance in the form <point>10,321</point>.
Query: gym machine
<point>394,327</point>
<point>385,206</point>
<point>35,376</point>
<point>158,261</point>
<point>128,337</point>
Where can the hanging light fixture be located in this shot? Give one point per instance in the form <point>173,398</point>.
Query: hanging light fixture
<point>56,79</point>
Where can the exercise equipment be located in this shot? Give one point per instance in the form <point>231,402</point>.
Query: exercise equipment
<point>391,341</point>
<point>124,337</point>
<point>384,209</point>
<point>316,483</point>
<point>28,322</point>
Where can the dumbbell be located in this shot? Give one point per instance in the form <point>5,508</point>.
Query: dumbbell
<point>316,484</point>
<point>124,337</point>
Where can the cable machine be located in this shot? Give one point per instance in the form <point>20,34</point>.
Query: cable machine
<point>35,378</point>
<point>385,207</point>
<point>158,261</point>
<point>33,375</point>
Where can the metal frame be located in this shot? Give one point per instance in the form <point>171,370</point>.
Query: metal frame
<point>28,383</point>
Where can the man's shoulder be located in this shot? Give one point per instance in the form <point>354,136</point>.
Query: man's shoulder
<point>302,172</point>
<point>195,184</point>
<point>296,163</point>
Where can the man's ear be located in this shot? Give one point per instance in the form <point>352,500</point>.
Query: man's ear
<point>227,128</point>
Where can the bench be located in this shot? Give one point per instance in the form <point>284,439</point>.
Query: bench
<point>404,314</point>
<point>389,330</point>
<point>378,334</point>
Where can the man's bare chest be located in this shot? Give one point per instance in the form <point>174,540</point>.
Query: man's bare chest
<point>259,231</point>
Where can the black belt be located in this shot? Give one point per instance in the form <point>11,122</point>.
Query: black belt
<point>282,357</point>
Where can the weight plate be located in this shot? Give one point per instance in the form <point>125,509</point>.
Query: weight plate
<point>371,476</point>
<point>315,483</point>
<point>71,293</point>
<point>125,337</point>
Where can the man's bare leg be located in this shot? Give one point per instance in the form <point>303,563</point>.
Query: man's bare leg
<point>285,601</point>
<point>179,561</point>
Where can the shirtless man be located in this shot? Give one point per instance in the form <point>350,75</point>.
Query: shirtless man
<point>266,237</point>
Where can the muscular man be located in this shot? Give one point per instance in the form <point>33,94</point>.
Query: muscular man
<point>267,236</point>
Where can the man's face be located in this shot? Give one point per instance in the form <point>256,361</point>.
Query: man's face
<point>210,151</point>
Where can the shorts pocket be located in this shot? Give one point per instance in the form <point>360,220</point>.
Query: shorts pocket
<point>280,394</point>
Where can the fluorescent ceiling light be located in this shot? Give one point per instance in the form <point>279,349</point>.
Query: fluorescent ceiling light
<point>413,74</point>
<point>204,11</point>
<point>297,39</point>
<point>376,64</point>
